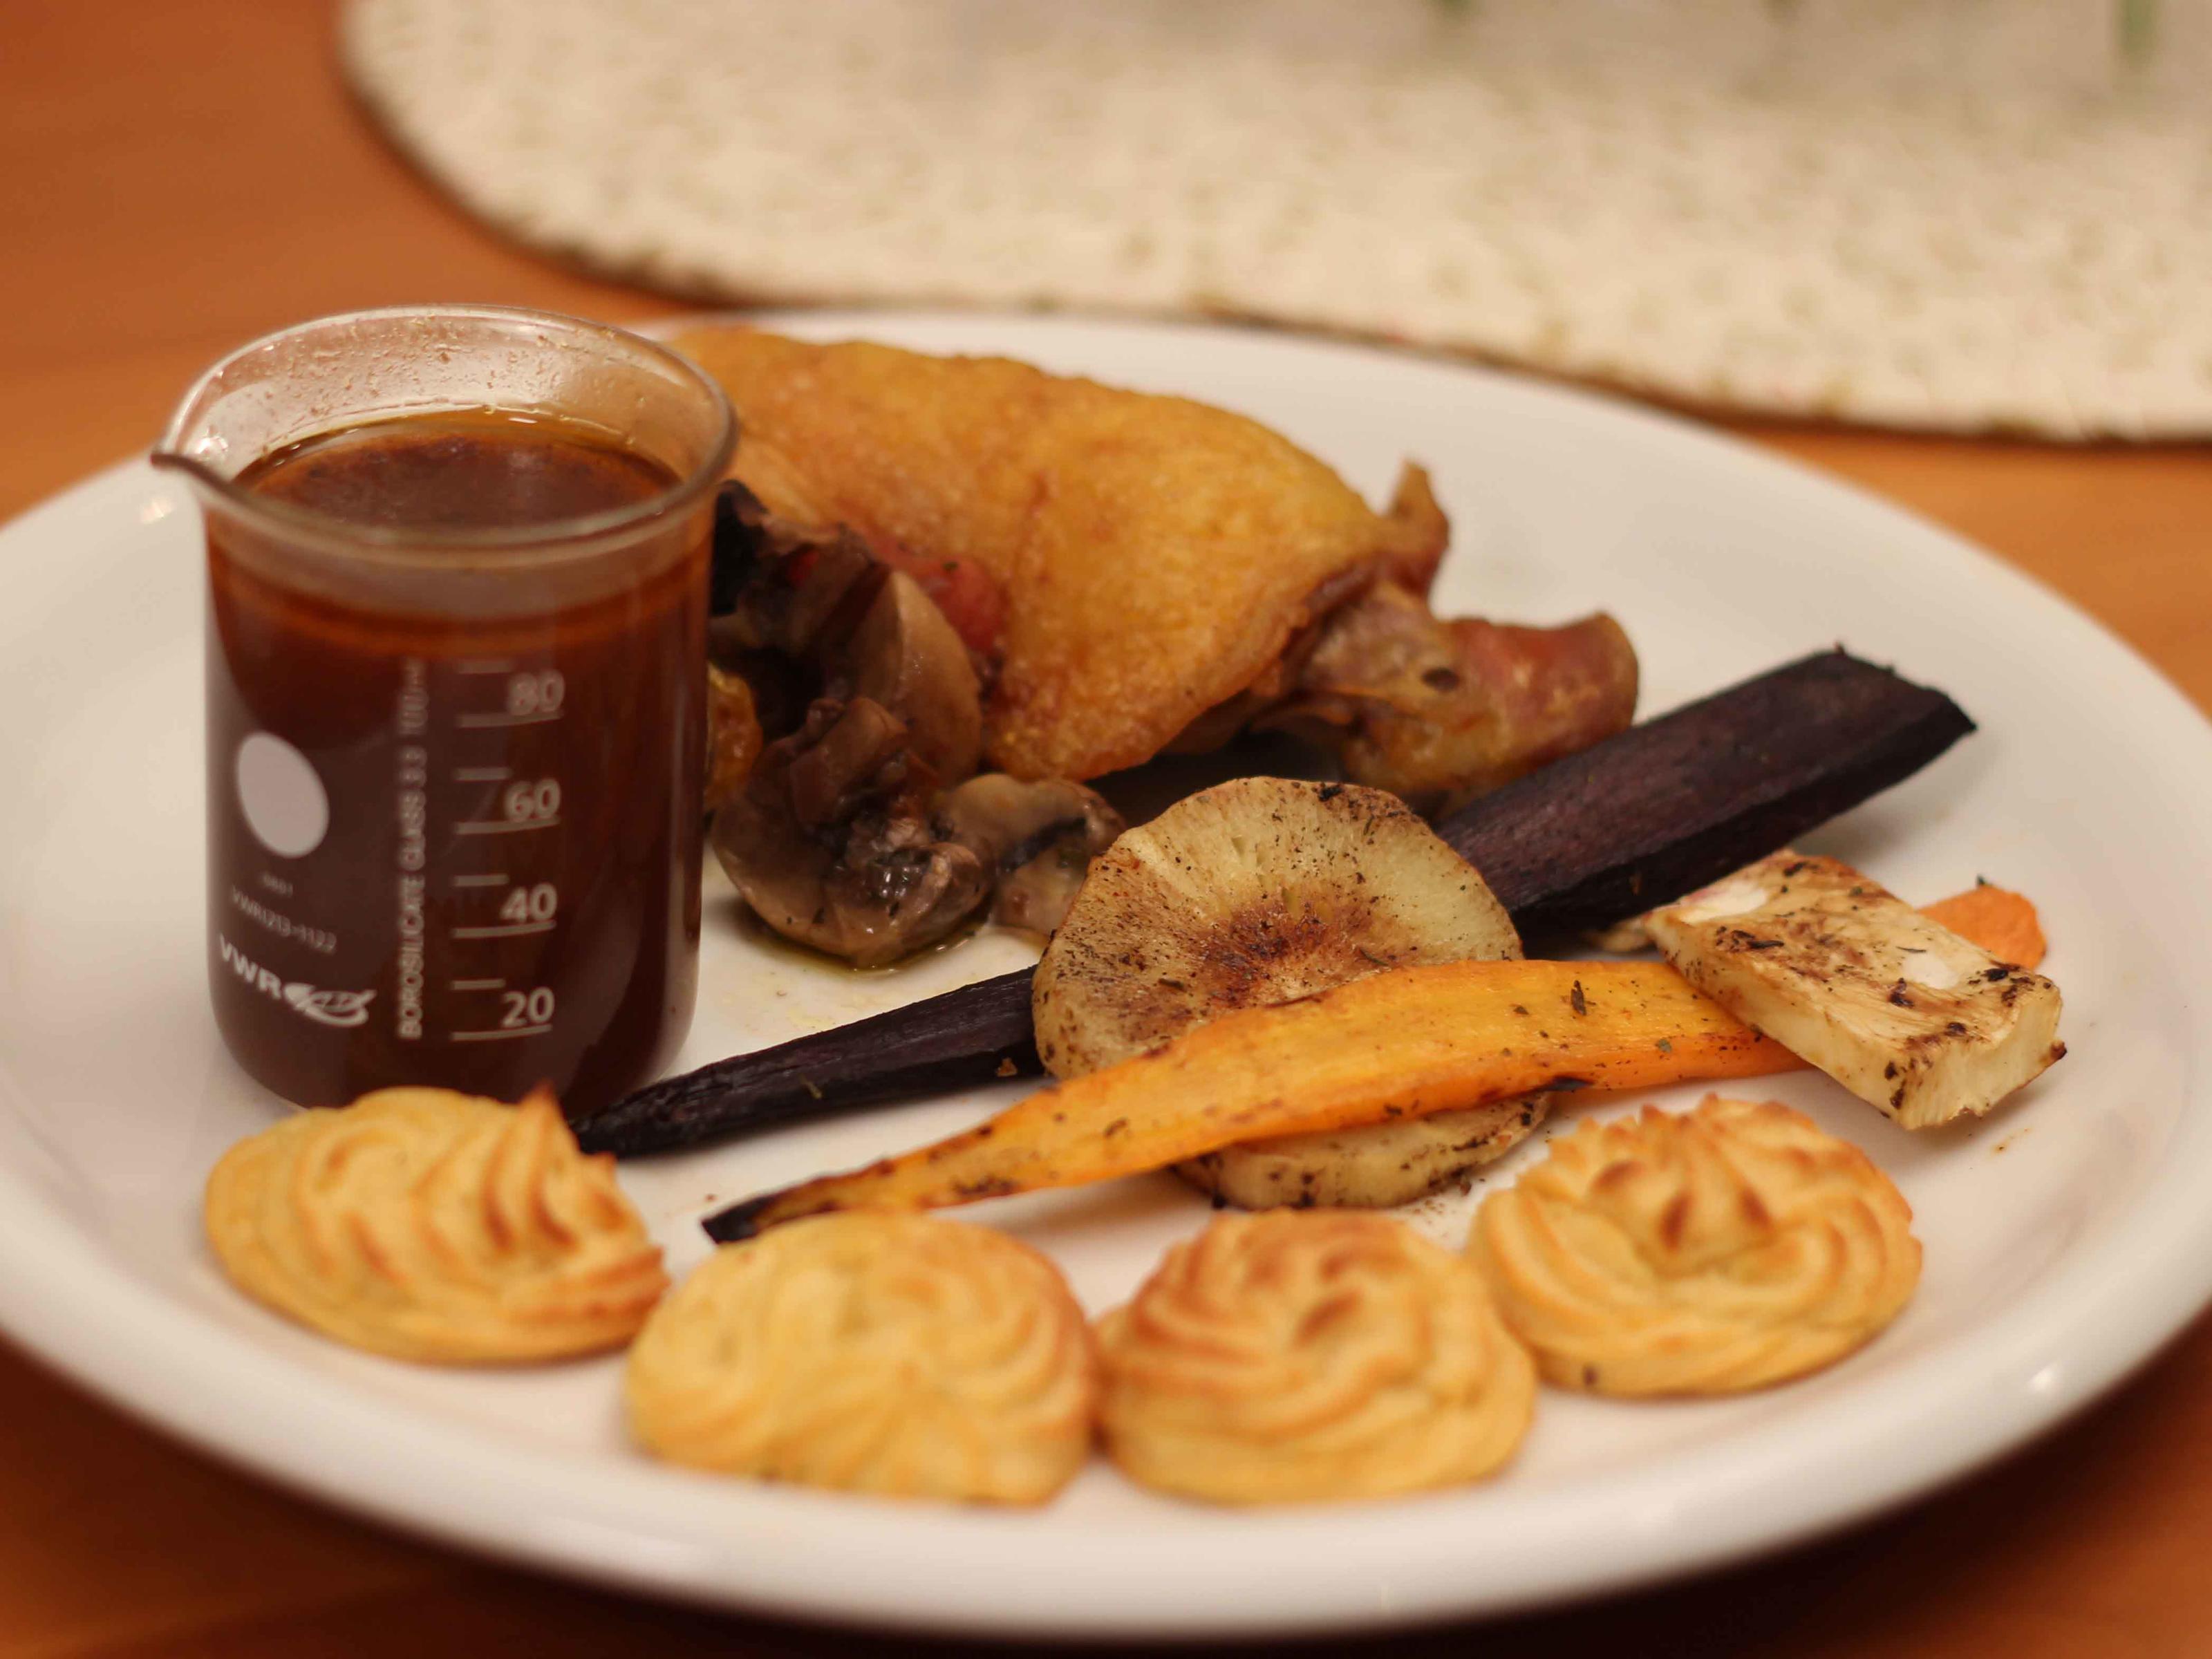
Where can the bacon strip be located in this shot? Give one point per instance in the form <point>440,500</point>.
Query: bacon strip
<point>1431,708</point>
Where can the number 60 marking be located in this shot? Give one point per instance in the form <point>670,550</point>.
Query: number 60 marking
<point>531,803</point>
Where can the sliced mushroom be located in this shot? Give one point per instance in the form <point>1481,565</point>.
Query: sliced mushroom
<point>832,846</point>
<point>1040,837</point>
<point>834,841</point>
<point>845,755</point>
<point>905,656</point>
<point>857,626</point>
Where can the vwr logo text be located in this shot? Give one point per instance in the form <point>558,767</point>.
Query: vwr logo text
<point>340,1008</point>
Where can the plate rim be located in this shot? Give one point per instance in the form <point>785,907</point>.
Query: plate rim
<point>93,1322</point>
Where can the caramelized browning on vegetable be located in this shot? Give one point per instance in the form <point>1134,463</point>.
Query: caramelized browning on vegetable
<point>1664,807</point>
<point>1040,837</point>
<point>831,843</point>
<point>1924,1025</point>
<point>1258,890</point>
<point>2003,923</point>
<point>1404,1044</point>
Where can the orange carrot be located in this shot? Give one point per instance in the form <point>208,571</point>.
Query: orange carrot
<point>1403,1043</point>
<point>2000,921</point>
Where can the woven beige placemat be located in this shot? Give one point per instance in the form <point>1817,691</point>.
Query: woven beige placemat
<point>1945,213</point>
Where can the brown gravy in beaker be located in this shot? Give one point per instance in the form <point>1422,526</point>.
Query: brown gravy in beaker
<point>456,845</point>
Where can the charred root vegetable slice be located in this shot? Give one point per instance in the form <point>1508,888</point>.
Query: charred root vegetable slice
<point>1923,1024</point>
<point>1376,1167</point>
<point>1258,890</point>
<point>2003,923</point>
<point>1406,1043</point>
<point>1662,808</point>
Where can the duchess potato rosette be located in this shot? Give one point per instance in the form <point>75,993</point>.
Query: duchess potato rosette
<point>432,1225</point>
<point>1302,1355</point>
<point>1703,1252</point>
<point>875,1353</point>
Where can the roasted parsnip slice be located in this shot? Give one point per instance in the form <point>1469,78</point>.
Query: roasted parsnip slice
<point>1904,1013</point>
<point>1257,890</point>
<point>1262,890</point>
<point>1375,1168</point>
<point>1406,1043</point>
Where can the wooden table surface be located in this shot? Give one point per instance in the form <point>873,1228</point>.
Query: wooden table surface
<point>180,177</point>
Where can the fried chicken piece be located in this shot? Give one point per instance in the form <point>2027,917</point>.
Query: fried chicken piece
<point>1155,555</point>
<point>1139,573</point>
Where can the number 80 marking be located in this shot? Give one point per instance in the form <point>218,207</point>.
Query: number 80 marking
<point>535,694</point>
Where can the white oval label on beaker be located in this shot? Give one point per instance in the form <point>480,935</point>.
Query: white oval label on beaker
<point>284,802</point>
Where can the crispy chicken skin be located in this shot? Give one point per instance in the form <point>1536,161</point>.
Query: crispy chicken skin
<point>1155,555</point>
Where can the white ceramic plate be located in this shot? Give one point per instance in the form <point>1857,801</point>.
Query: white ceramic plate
<point>2065,1239</point>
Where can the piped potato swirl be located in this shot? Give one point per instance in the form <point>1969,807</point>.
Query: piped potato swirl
<point>432,1225</point>
<point>1301,1355</point>
<point>1705,1252</point>
<point>894,1354</point>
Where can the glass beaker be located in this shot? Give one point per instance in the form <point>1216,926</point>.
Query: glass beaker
<point>457,608</point>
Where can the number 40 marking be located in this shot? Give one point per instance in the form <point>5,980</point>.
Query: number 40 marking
<point>538,904</point>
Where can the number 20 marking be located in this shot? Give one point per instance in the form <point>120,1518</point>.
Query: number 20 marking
<point>533,1007</point>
